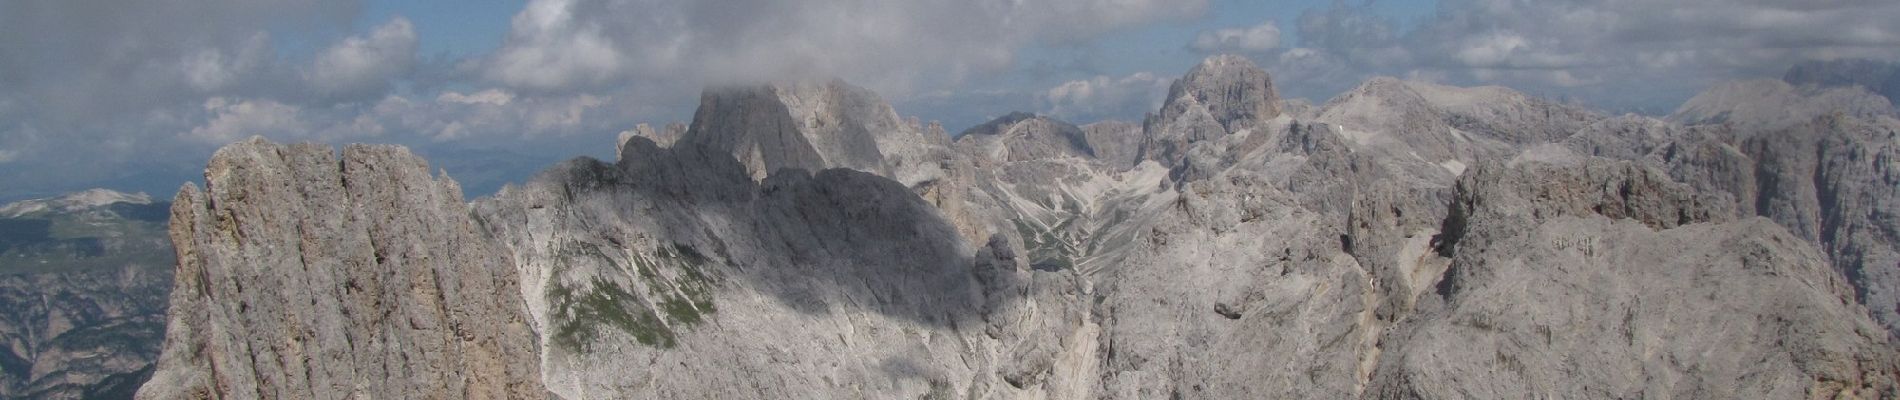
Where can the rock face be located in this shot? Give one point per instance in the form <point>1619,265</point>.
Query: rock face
<point>1769,103</point>
<point>813,126</point>
<point>1406,240</point>
<point>1880,77</point>
<point>1222,95</point>
<point>1229,88</point>
<point>835,283</point>
<point>664,136</point>
<point>1665,301</point>
<point>304,276</point>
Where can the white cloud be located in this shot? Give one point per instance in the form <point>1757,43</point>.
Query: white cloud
<point>364,65</point>
<point>236,119</point>
<point>211,69</point>
<point>551,48</point>
<point>1642,54</point>
<point>1257,38</point>
<point>1107,97</point>
<point>890,46</point>
<point>496,97</point>
<point>7,156</point>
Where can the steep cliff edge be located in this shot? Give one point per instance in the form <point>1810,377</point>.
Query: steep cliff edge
<point>304,276</point>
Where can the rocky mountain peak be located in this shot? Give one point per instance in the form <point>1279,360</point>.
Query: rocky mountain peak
<point>73,202</point>
<point>305,275</point>
<point>812,125</point>
<point>1774,103</point>
<point>1881,77</point>
<point>1410,240</point>
<point>1024,136</point>
<point>1233,90</point>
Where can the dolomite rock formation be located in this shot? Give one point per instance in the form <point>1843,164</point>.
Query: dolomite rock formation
<point>834,283</point>
<point>1405,240</point>
<point>301,275</point>
<point>813,126</point>
<point>1643,288</point>
<point>1222,95</point>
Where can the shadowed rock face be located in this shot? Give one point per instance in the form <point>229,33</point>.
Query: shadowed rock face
<point>1877,76</point>
<point>304,276</point>
<point>802,285</point>
<point>1409,241</point>
<point>814,126</point>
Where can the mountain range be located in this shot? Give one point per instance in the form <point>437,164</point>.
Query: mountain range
<point>802,240</point>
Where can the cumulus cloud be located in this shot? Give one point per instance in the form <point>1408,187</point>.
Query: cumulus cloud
<point>1107,97</point>
<point>363,65</point>
<point>236,119</point>
<point>77,59</point>
<point>1635,54</point>
<point>892,46</point>
<point>501,114</point>
<point>1257,38</point>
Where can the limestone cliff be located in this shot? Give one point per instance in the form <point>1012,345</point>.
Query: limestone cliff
<point>302,275</point>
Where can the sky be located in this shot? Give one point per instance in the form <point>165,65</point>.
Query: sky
<point>136,95</point>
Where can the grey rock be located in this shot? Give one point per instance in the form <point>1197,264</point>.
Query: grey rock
<point>1116,143</point>
<point>304,276</point>
<point>664,136</point>
<point>1407,240</point>
<point>1664,301</point>
<point>1221,95</point>
<point>1024,137</point>
<point>833,284</point>
<point>1230,88</point>
<point>814,126</point>
<point>1771,103</point>
<point>1882,77</point>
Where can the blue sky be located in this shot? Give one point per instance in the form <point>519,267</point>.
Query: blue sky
<point>136,95</point>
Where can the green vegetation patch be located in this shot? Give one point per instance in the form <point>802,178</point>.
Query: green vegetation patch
<point>578,316</point>
<point>675,277</point>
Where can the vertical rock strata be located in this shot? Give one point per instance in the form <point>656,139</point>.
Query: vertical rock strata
<point>302,276</point>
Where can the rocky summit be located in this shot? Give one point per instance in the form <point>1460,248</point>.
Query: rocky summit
<point>801,240</point>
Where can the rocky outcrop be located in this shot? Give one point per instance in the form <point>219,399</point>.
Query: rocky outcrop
<point>1774,104</point>
<point>1816,159</point>
<point>1833,181</point>
<point>813,126</point>
<point>664,136</point>
<point>1882,77</point>
<point>304,276</point>
<point>1566,287</point>
<point>1229,88</point>
<point>1116,143</point>
<point>1024,137</point>
<point>827,284</point>
<point>1222,95</point>
<point>800,241</point>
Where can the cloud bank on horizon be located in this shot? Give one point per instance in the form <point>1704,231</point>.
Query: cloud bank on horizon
<point>94,91</point>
